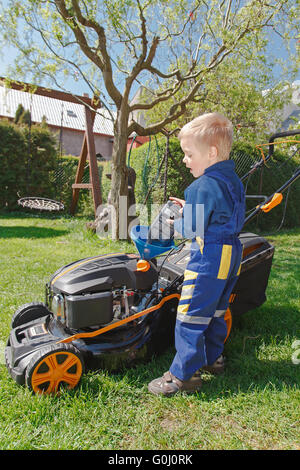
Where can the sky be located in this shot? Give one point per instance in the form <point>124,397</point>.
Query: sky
<point>8,55</point>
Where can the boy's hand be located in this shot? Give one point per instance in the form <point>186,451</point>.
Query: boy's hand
<point>178,201</point>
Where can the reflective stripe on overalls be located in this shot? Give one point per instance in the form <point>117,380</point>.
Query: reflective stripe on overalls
<point>209,278</point>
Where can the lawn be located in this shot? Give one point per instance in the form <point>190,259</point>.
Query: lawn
<point>254,405</point>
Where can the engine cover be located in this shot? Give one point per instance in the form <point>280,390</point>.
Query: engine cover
<point>102,273</point>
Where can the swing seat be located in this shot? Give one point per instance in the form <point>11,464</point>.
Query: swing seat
<point>41,203</point>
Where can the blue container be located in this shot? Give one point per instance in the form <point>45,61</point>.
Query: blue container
<point>139,235</point>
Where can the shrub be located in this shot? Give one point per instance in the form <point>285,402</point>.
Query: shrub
<point>12,152</point>
<point>28,158</point>
<point>30,166</point>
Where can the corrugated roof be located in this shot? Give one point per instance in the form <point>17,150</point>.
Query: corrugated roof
<point>57,112</point>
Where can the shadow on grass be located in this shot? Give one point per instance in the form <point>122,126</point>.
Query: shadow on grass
<point>242,375</point>
<point>30,232</point>
<point>43,215</point>
<point>245,371</point>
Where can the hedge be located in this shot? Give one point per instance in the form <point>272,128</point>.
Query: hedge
<point>31,166</point>
<point>28,159</point>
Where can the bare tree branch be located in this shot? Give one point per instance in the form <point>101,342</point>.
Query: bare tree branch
<point>105,64</point>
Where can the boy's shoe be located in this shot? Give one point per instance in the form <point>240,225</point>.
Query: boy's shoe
<point>216,368</point>
<point>168,385</point>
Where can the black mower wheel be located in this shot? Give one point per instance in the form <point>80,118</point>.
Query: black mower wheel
<point>29,312</point>
<point>53,367</point>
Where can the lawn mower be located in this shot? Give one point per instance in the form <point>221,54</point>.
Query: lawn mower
<point>117,309</point>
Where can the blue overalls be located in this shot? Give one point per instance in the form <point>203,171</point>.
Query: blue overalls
<point>212,270</point>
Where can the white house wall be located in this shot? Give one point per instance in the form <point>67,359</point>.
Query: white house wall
<point>60,116</point>
<point>72,142</point>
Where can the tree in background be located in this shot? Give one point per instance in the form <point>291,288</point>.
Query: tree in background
<point>173,48</point>
<point>19,112</point>
<point>243,89</point>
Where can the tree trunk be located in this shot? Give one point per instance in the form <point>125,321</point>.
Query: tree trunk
<point>119,178</point>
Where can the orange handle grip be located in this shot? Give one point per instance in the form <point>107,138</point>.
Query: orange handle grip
<point>275,201</point>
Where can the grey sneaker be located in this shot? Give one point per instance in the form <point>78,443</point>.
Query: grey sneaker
<point>168,385</point>
<point>216,368</point>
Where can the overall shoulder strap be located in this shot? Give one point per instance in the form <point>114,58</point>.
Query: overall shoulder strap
<point>218,175</point>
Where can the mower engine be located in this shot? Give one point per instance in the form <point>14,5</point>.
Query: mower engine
<point>99,290</point>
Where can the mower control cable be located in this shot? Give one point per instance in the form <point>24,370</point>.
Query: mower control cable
<point>112,326</point>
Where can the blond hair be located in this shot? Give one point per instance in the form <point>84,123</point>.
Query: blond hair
<point>212,129</point>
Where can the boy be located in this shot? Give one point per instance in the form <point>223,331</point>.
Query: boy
<point>215,258</point>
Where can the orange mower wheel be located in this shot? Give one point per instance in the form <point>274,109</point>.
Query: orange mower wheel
<point>53,367</point>
<point>228,320</point>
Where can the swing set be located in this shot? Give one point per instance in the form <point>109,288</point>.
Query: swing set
<point>87,152</point>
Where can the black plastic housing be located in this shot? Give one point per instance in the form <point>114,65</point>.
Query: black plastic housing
<point>89,310</point>
<point>102,273</point>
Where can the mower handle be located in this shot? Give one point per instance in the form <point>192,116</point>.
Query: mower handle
<point>280,134</point>
<point>286,185</point>
<point>271,151</point>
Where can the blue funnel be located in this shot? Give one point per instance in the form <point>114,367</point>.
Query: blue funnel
<point>139,235</point>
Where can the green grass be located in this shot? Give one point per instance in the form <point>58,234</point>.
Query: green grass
<point>254,405</point>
